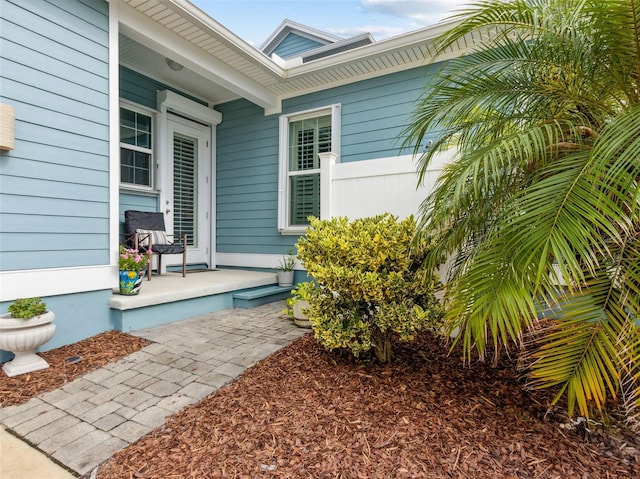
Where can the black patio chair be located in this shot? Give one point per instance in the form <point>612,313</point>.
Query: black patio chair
<point>145,231</point>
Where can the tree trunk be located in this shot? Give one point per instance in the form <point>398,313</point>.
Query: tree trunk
<point>382,346</point>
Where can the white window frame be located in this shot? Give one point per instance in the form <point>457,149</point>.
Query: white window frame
<point>283,169</point>
<point>152,160</point>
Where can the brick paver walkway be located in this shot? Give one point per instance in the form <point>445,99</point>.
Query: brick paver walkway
<point>83,423</point>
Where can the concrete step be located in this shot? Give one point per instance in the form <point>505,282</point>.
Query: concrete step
<point>258,296</point>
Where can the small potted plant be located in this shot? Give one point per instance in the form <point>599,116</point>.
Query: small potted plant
<point>26,327</point>
<point>132,266</point>
<point>285,271</point>
<point>295,308</point>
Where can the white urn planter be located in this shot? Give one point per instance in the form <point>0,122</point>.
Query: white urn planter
<point>22,337</point>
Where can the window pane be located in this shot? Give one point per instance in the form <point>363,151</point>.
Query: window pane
<point>135,128</point>
<point>307,138</point>
<point>127,135</point>
<point>304,198</point>
<point>127,118</point>
<point>135,167</point>
<point>126,163</point>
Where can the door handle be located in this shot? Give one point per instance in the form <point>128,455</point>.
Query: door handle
<point>167,211</point>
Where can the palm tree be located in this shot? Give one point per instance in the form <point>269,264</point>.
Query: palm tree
<point>543,190</point>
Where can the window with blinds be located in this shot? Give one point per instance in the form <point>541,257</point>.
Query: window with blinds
<point>307,138</point>
<point>185,166</point>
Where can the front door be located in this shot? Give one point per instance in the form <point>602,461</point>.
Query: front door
<point>186,195</point>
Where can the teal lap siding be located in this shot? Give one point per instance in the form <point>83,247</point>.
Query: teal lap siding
<point>294,45</point>
<point>247,181</point>
<point>54,185</point>
<point>374,114</point>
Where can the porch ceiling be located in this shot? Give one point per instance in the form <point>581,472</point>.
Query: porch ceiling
<point>222,66</point>
<point>138,57</point>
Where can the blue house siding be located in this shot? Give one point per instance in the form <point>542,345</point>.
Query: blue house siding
<point>247,181</point>
<point>54,186</point>
<point>293,45</point>
<point>374,113</point>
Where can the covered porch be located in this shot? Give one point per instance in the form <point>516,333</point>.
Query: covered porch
<point>170,297</point>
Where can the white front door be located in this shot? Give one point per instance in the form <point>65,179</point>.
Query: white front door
<point>186,191</point>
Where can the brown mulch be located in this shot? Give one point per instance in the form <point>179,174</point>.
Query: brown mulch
<point>93,353</point>
<point>307,413</point>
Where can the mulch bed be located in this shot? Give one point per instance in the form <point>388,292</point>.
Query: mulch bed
<point>93,353</point>
<point>307,413</point>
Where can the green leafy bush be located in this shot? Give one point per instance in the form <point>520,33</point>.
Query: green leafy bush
<point>27,308</point>
<point>369,289</point>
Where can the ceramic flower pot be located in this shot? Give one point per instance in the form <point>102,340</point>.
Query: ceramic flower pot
<point>22,337</point>
<point>299,318</point>
<point>130,282</point>
<point>285,278</point>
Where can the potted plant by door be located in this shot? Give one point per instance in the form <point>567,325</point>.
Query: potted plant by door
<point>132,266</point>
<point>285,271</point>
<point>26,327</point>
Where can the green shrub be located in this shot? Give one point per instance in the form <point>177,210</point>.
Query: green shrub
<point>27,308</point>
<point>369,289</point>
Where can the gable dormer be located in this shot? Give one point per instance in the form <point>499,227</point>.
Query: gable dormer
<point>292,39</point>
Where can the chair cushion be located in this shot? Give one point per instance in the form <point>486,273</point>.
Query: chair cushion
<point>167,248</point>
<point>156,237</point>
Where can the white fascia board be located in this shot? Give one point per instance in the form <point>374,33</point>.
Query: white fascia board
<point>399,43</point>
<point>424,36</point>
<point>149,33</point>
<point>205,21</point>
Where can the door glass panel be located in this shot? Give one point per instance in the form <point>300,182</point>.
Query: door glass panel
<point>185,194</point>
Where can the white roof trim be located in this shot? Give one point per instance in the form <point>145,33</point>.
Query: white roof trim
<point>179,30</point>
<point>152,34</point>
<point>289,26</point>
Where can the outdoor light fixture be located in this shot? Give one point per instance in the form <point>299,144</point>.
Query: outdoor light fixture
<point>175,66</point>
<point>7,127</point>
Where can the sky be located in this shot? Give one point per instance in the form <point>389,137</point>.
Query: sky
<point>255,20</point>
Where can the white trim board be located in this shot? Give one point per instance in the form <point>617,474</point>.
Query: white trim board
<point>56,281</point>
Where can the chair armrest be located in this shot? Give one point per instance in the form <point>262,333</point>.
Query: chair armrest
<point>140,237</point>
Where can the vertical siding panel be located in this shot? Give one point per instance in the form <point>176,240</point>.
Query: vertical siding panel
<point>57,177</point>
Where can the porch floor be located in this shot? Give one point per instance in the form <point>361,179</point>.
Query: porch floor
<point>171,287</point>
